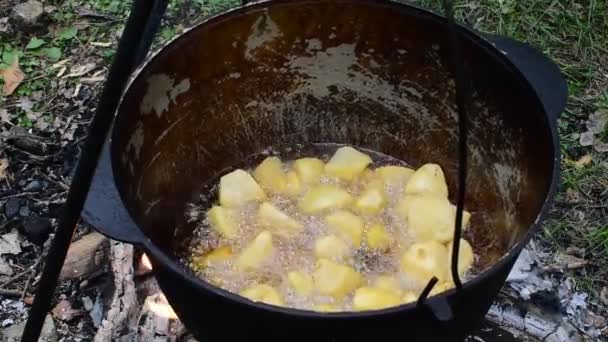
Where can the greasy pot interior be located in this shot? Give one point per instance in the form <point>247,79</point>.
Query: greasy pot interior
<point>297,73</point>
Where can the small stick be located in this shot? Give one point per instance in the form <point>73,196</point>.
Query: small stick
<point>21,274</point>
<point>10,293</point>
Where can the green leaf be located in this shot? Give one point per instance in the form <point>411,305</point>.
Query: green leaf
<point>68,33</point>
<point>9,55</point>
<point>24,122</point>
<point>53,53</point>
<point>34,43</point>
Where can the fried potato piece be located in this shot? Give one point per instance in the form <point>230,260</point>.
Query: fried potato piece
<point>238,188</point>
<point>347,163</point>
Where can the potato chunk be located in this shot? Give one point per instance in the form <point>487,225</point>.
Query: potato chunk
<point>331,247</point>
<point>394,175</point>
<point>371,201</point>
<point>238,188</point>
<point>263,293</point>
<point>294,185</point>
<point>428,217</point>
<point>218,255</point>
<point>465,256</point>
<point>466,218</point>
<point>326,308</point>
<point>301,282</point>
<point>276,221</point>
<point>309,169</point>
<point>427,180</point>
<point>223,221</point>
<point>441,287</point>
<point>378,238</point>
<point>271,176</point>
<point>347,225</point>
<point>370,298</point>
<point>389,283</point>
<point>425,260</point>
<point>409,297</point>
<point>324,197</point>
<point>347,163</point>
<point>335,279</point>
<point>256,253</point>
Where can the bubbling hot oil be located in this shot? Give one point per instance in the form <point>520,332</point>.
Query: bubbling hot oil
<point>297,253</point>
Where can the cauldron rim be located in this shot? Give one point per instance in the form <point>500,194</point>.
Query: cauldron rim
<point>162,258</point>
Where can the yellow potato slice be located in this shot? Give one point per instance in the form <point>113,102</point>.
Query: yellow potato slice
<point>428,217</point>
<point>324,197</point>
<point>441,287</point>
<point>223,221</point>
<point>326,308</point>
<point>218,255</point>
<point>347,225</point>
<point>263,293</point>
<point>389,283</point>
<point>394,175</point>
<point>276,221</point>
<point>370,298</point>
<point>301,282</point>
<point>309,169</point>
<point>335,279</point>
<point>256,253</point>
<point>378,238</point>
<point>238,188</point>
<point>409,297</point>
<point>294,185</point>
<point>427,180</point>
<point>425,260</point>
<point>331,247</point>
<point>347,163</point>
<point>465,256</point>
<point>466,218</point>
<point>371,201</point>
<point>271,176</point>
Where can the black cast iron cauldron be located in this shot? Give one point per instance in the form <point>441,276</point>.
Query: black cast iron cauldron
<point>303,72</point>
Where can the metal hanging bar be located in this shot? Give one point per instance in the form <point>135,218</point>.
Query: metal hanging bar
<point>462,97</point>
<point>134,44</point>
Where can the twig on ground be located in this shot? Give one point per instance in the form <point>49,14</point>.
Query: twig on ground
<point>18,195</point>
<point>10,293</point>
<point>26,271</point>
<point>61,184</point>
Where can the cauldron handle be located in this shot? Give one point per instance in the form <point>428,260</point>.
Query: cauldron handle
<point>104,208</point>
<point>542,73</point>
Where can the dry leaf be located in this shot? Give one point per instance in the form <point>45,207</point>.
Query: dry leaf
<point>587,139</point>
<point>3,167</point>
<point>81,70</point>
<point>64,311</point>
<point>567,262</point>
<point>5,268</point>
<point>4,115</point>
<point>25,104</point>
<point>42,124</point>
<point>600,147</point>
<point>60,64</point>
<point>9,243</point>
<point>583,161</point>
<point>597,121</point>
<point>13,76</point>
